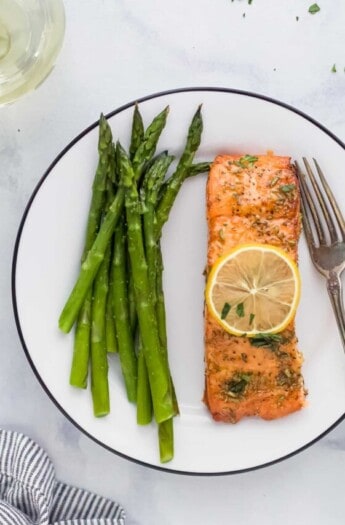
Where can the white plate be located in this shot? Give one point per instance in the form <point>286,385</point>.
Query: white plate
<point>46,262</point>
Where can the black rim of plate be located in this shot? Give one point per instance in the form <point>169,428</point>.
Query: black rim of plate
<point>17,243</point>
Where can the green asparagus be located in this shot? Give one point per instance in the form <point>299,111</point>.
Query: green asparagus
<point>166,440</point>
<point>138,133</point>
<point>199,167</point>
<point>147,148</point>
<point>154,260</point>
<point>137,137</point>
<point>110,333</point>
<point>176,180</point>
<point>127,288</point>
<point>81,351</point>
<point>132,312</point>
<point>144,399</point>
<point>122,323</point>
<point>155,264</point>
<point>96,253</point>
<point>100,323</point>
<point>99,361</point>
<point>156,366</point>
<point>151,185</point>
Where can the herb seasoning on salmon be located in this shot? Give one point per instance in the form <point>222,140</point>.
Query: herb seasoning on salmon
<point>251,199</point>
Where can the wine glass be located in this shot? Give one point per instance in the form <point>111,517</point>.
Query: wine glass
<point>31,35</point>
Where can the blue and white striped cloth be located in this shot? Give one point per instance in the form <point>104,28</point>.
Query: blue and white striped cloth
<point>30,494</point>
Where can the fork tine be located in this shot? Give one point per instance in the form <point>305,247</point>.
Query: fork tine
<point>306,223</point>
<point>308,204</point>
<point>323,204</point>
<point>333,202</point>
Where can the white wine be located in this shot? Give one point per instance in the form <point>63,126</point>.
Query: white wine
<point>31,34</point>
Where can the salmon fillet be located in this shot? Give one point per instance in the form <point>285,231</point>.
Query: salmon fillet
<point>247,202</point>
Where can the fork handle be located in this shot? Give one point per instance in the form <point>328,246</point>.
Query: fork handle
<point>335,293</point>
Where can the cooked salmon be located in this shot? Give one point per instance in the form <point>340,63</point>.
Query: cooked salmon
<point>252,199</point>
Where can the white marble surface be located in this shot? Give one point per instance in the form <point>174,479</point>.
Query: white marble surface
<point>114,52</point>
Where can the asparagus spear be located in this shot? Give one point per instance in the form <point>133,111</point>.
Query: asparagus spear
<point>99,362</point>
<point>155,264</point>
<point>166,440</point>
<point>137,137</point>
<point>177,178</point>
<point>96,253</point>
<point>120,304</point>
<point>152,182</point>
<point>102,327</point>
<point>131,298</point>
<point>110,333</point>
<point>144,399</point>
<point>81,349</point>
<point>165,429</point>
<point>80,361</point>
<point>147,148</point>
<point>132,312</point>
<point>183,170</point>
<point>138,133</point>
<point>199,167</point>
<point>154,261</point>
<point>195,169</point>
<point>157,369</point>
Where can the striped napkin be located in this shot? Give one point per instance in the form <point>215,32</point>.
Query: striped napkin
<point>30,494</point>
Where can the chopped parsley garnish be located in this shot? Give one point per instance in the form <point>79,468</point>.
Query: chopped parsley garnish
<point>240,310</point>
<point>286,188</point>
<point>225,310</point>
<point>237,385</point>
<point>250,1</point>
<point>246,160</point>
<point>251,318</point>
<point>266,340</point>
<point>314,8</point>
<point>334,68</point>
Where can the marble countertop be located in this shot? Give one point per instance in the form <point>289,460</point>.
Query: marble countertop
<point>116,51</point>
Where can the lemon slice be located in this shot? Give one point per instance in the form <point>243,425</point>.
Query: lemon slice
<point>253,289</point>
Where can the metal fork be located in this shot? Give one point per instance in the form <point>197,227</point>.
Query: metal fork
<point>324,228</point>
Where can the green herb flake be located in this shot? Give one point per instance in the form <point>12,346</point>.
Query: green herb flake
<point>287,188</point>
<point>225,310</point>
<point>250,2</point>
<point>237,385</point>
<point>271,341</point>
<point>297,18</point>
<point>249,158</point>
<point>334,68</point>
<point>246,160</point>
<point>240,310</point>
<point>314,8</point>
<point>251,319</point>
